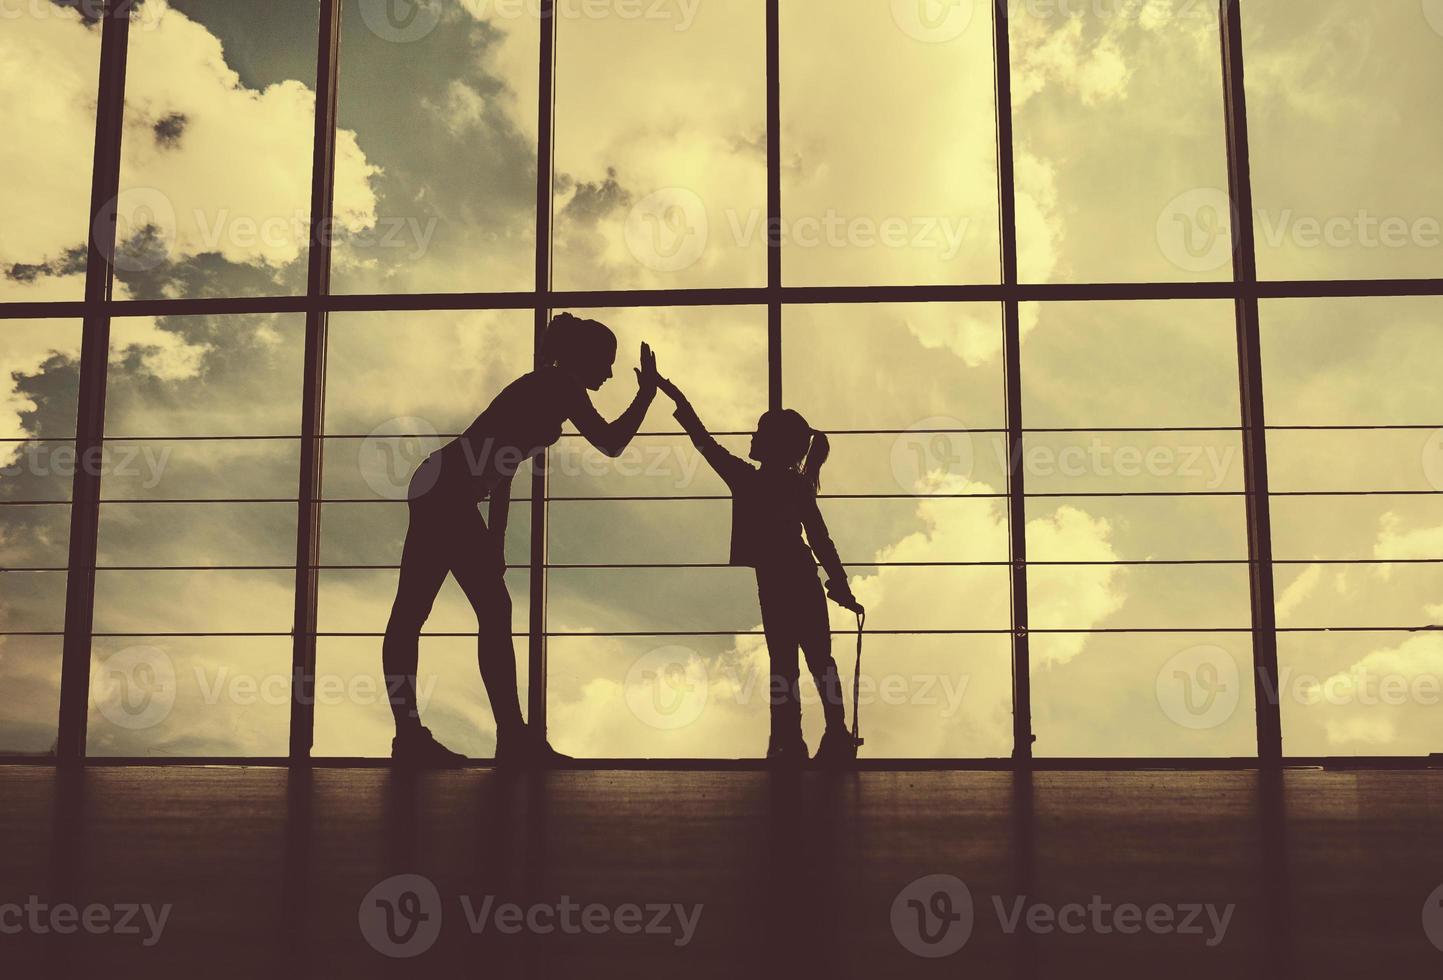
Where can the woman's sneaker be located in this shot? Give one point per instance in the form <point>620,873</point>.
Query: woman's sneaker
<point>838,749</point>
<point>418,748</point>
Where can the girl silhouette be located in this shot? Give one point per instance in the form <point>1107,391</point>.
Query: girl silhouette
<point>771,506</point>
<point>446,533</point>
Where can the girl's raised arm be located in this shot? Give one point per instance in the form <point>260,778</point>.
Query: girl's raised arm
<point>728,466</point>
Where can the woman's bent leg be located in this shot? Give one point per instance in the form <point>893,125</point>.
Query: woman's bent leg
<point>423,569</point>
<point>485,586</point>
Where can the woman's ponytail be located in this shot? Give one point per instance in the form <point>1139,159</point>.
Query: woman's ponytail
<point>817,454</point>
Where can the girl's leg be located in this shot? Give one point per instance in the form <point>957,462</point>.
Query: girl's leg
<point>485,587</point>
<point>779,626</point>
<point>816,639</point>
<point>423,569</point>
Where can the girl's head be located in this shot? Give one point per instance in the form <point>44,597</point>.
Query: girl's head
<point>585,348</point>
<point>783,438</point>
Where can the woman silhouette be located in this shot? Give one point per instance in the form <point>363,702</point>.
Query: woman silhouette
<point>446,533</point>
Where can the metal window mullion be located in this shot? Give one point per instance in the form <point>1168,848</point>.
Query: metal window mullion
<point>90,407</point>
<point>313,391</point>
<point>545,163</point>
<point>774,205</point>
<point>1250,381</point>
<point>1022,736</point>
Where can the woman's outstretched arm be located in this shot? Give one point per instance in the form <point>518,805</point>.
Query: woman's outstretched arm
<point>613,437</point>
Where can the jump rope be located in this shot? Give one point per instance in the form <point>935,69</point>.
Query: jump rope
<point>861,615</point>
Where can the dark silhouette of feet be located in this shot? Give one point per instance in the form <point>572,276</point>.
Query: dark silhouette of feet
<point>528,750</point>
<point>838,749</point>
<point>786,753</point>
<point>418,748</point>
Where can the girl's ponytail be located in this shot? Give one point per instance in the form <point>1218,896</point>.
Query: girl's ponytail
<point>817,454</point>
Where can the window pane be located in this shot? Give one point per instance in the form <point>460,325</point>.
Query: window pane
<point>1121,162</point>
<point>1151,364</point>
<point>1175,694</point>
<point>881,185</point>
<point>1353,361</point>
<point>706,697</point>
<point>1133,462</point>
<point>353,716</point>
<point>49,63</point>
<point>1345,139</point>
<point>38,383</point>
<point>190,696</point>
<point>38,387</point>
<point>1135,597</point>
<point>660,169</point>
<point>1137,529</point>
<point>29,717</point>
<point>1361,693</point>
<point>215,179</point>
<point>436,154</point>
<point>903,366</point>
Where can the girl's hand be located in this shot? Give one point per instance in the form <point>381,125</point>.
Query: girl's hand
<point>670,390</point>
<point>841,594</point>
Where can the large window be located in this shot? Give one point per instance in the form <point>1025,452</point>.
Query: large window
<point>1123,320</point>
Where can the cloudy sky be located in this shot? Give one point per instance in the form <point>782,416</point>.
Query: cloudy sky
<point>889,176</point>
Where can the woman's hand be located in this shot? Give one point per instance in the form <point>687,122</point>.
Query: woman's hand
<point>646,375</point>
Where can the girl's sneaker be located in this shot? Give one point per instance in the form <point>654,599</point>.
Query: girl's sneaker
<point>786,752</point>
<point>838,749</point>
<point>417,748</point>
<point>527,750</point>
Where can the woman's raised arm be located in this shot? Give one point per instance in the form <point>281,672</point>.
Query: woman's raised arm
<point>613,437</point>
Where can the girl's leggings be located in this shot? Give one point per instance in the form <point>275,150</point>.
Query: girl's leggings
<point>794,614</point>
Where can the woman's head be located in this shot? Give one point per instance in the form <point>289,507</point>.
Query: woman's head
<point>784,438</point>
<point>585,348</point>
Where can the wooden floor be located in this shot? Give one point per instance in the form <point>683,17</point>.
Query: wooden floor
<point>265,871</point>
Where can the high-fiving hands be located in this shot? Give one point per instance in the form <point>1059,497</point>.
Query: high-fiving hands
<point>646,376</point>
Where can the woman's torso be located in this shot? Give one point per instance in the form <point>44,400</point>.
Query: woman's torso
<point>519,424</point>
